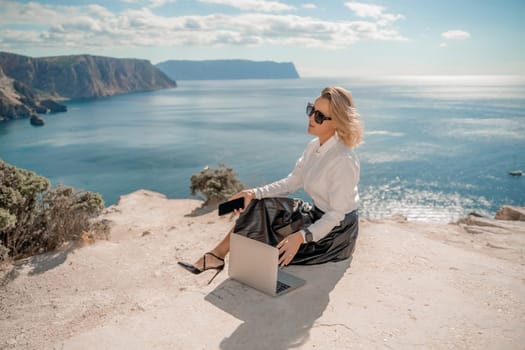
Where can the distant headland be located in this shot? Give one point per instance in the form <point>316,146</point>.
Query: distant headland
<point>31,86</point>
<point>227,69</point>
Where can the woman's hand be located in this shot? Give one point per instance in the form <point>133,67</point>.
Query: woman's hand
<point>288,247</point>
<point>248,196</point>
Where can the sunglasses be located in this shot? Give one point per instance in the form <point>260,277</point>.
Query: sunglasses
<point>318,116</point>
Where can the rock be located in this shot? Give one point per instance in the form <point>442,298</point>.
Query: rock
<point>54,107</point>
<point>83,76</point>
<point>480,225</point>
<point>41,109</point>
<point>17,100</point>
<point>36,120</point>
<point>473,213</point>
<point>228,69</point>
<point>28,85</point>
<point>400,218</point>
<point>508,212</point>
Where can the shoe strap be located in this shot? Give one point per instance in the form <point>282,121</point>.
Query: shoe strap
<point>215,256</point>
<point>204,259</point>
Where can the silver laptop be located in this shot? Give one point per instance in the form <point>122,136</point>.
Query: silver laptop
<point>256,264</point>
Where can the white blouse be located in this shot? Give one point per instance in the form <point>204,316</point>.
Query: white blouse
<point>329,174</point>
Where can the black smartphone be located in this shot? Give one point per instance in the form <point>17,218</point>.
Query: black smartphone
<point>229,206</point>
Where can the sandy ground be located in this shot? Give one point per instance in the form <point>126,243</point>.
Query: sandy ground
<point>409,286</point>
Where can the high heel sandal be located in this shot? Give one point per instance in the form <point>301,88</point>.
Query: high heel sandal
<point>191,268</point>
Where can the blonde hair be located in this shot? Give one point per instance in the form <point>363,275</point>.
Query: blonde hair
<point>342,109</point>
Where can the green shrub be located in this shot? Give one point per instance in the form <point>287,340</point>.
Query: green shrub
<point>19,191</point>
<point>7,220</point>
<point>34,218</point>
<point>216,185</point>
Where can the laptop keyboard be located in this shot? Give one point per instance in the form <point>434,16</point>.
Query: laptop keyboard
<point>281,286</point>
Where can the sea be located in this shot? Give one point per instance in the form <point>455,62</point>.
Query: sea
<point>436,148</point>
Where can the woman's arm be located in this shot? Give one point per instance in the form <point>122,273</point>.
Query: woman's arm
<point>290,184</point>
<point>343,197</point>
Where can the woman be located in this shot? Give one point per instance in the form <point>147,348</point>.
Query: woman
<point>329,172</point>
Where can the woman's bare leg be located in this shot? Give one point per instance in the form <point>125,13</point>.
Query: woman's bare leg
<point>221,250</point>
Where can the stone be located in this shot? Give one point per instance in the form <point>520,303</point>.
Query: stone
<point>508,212</point>
<point>36,120</point>
<point>54,107</point>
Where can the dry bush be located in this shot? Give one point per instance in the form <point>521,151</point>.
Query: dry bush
<point>65,213</point>
<point>216,185</point>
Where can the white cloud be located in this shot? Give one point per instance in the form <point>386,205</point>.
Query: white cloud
<point>159,3</point>
<point>30,13</point>
<point>149,3</point>
<point>9,37</point>
<point>309,6</point>
<point>443,45</point>
<point>365,10</point>
<point>55,26</point>
<point>252,5</point>
<point>373,11</point>
<point>99,11</point>
<point>456,35</point>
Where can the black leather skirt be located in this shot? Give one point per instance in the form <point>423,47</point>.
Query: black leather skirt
<point>269,220</point>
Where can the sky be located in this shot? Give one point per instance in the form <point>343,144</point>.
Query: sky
<point>322,38</point>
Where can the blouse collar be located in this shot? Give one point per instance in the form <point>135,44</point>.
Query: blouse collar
<point>330,143</point>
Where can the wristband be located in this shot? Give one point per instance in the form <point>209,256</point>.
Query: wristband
<point>308,237</point>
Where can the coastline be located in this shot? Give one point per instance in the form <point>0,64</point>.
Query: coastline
<point>409,285</point>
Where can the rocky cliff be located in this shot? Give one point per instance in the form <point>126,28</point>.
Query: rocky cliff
<point>17,100</point>
<point>228,69</point>
<point>84,76</point>
<point>29,85</point>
